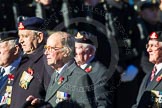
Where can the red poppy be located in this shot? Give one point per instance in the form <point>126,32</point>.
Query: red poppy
<point>61,79</point>
<point>10,76</point>
<point>30,71</point>
<point>89,69</point>
<point>159,78</point>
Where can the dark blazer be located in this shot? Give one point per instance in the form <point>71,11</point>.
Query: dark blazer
<point>145,96</point>
<point>38,85</point>
<point>76,84</point>
<point>103,84</point>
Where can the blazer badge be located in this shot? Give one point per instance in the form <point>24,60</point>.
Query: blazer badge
<point>156,97</point>
<point>26,78</point>
<point>61,96</point>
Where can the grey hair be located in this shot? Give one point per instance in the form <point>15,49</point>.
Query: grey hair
<point>89,45</point>
<point>36,32</point>
<point>45,35</point>
<point>68,42</point>
<point>12,43</point>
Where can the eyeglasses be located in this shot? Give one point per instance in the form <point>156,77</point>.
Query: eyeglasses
<point>155,47</point>
<point>49,48</point>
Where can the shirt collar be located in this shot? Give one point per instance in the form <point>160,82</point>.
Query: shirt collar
<point>85,64</point>
<point>158,67</point>
<point>64,67</point>
<point>12,66</point>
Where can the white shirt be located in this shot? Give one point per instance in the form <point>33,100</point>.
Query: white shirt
<point>158,67</point>
<point>85,64</point>
<point>10,68</point>
<point>64,67</point>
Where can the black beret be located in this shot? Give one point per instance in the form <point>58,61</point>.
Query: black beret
<point>32,23</point>
<point>156,35</point>
<point>86,37</point>
<point>8,35</point>
<point>149,4</point>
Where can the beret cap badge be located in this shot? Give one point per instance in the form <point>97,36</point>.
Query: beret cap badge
<point>21,26</point>
<point>78,36</point>
<point>154,35</point>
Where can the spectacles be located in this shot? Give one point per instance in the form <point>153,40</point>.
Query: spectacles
<point>155,47</point>
<point>50,48</point>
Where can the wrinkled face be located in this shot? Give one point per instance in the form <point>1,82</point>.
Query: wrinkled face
<point>151,15</point>
<point>44,2</point>
<point>6,54</point>
<point>28,41</point>
<point>83,53</point>
<point>155,51</point>
<point>54,51</point>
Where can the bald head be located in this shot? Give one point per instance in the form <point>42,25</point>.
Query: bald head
<point>64,39</point>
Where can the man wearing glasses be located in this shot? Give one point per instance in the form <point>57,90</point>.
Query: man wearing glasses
<point>33,74</point>
<point>150,93</point>
<point>70,86</point>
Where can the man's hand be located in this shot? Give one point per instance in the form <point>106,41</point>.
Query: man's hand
<point>34,100</point>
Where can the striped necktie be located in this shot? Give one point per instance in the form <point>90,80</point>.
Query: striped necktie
<point>56,76</point>
<point>153,73</point>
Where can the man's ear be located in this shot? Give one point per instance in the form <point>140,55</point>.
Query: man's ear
<point>17,49</point>
<point>40,37</point>
<point>66,51</point>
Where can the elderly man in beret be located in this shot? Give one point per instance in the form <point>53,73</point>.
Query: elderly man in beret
<point>33,74</point>
<point>150,93</point>
<point>10,56</point>
<point>85,49</point>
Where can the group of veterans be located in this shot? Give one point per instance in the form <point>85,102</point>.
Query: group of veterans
<point>78,69</point>
<point>38,70</point>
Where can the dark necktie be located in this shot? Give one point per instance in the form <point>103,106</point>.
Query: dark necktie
<point>56,76</point>
<point>153,73</point>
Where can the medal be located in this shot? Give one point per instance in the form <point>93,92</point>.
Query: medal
<point>25,80</point>
<point>61,96</point>
<point>6,99</point>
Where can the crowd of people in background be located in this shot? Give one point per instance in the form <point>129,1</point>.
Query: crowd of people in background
<point>80,53</point>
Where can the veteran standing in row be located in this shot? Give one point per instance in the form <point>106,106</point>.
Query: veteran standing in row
<point>70,86</point>
<point>149,95</point>
<point>10,56</point>
<point>33,76</point>
<point>85,48</point>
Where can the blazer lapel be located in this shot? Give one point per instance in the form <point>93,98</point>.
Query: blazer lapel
<point>55,87</point>
<point>145,83</point>
<point>154,83</point>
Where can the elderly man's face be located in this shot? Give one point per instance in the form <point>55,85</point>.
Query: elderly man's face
<point>155,51</point>
<point>28,41</point>
<point>6,54</point>
<point>83,53</point>
<point>54,51</point>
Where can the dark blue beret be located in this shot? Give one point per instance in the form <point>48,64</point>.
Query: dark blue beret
<point>86,37</point>
<point>149,4</point>
<point>8,35</point>
<point>156,35</point>
<point>32,23</point>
